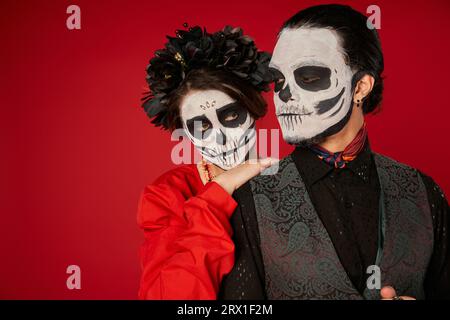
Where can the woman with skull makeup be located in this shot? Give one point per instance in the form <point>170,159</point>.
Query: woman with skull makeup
<point>207,85</point>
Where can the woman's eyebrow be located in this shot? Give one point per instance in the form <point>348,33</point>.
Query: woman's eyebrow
<point>232,104</point>
<point>197,118</point>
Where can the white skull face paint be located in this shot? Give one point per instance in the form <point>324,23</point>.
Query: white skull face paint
<point>220,128</point>
<point>313,86</point>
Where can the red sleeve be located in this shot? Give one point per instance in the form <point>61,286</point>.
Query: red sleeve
<point>188,247</point>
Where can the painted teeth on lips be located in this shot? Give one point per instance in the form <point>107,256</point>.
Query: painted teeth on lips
<point>293,114</point>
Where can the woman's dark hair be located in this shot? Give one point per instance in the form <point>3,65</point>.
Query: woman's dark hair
<point>361,44</point>
<point>209,79</point>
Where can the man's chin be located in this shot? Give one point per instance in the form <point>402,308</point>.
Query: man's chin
<point>299,140</point>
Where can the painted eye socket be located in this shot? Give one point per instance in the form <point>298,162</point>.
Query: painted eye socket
<point>205,126</point>
<point>313,78</point>
<point>278,78</point>
<point>199,127</point>
<point>279,84</point>
<point>231,116</point>
<point>309,79</point>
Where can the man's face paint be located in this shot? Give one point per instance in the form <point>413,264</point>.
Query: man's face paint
<point>220,128</point>
<point>313,84</point>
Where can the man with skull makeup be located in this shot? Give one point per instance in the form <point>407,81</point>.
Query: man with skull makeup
<point>336,209</point>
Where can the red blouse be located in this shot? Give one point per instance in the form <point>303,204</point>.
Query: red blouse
<point>188,247</point>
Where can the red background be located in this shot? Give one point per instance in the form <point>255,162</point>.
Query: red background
<point>78,149</point>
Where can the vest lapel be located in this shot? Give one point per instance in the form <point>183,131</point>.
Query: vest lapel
<point>299,258</point>
<point>407,229</point>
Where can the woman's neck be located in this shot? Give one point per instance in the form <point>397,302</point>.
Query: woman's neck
<point>339,141</point>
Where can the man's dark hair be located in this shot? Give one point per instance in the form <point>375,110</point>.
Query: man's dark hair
<point>361,44</point>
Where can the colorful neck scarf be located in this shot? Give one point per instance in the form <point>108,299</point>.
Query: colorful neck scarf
<point>340,159</point>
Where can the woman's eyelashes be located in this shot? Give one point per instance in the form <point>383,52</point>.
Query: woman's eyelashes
<point>231,116</point>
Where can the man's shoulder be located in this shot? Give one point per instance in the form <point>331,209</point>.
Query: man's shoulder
<point>386,161</point>
<point>431,186</point>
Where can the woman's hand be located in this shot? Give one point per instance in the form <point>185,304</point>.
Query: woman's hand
<point>234,178</point>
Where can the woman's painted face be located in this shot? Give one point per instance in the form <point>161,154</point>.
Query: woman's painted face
<point>313,84</point>
<point>220,128</point>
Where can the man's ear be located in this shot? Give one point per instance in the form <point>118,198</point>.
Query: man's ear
<point>363,87</point>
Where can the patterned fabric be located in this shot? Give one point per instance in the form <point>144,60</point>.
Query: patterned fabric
<point>300,261</point>
<point>408,229</point>
<point>340,159</point>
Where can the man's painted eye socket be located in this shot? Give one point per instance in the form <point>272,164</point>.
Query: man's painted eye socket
<point>278,79</point>
<point>313,78</point>
<point>279,83</point>
<point>309,79</point>
<point>231,116</point>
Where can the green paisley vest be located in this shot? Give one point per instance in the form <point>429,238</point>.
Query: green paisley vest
<point>299,258</point>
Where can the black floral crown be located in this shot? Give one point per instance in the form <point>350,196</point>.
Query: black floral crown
<point>194,48</point>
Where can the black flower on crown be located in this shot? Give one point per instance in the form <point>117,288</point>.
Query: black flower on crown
<point>195,48</point>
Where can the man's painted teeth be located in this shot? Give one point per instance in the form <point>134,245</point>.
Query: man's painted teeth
<point>289,120</point>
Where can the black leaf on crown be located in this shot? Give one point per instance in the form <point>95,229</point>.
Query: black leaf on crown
<point>195,48</point>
